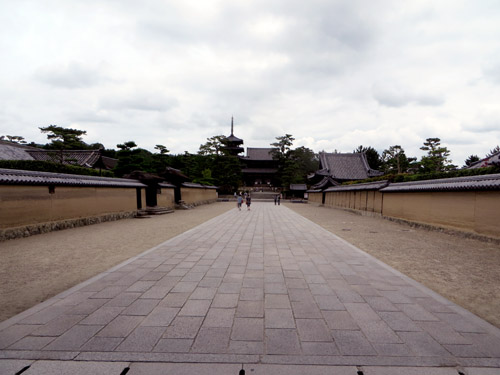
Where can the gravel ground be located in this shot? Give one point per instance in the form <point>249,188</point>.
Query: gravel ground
<point>36,268</point>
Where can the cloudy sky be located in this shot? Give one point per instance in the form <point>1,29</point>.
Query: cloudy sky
<point>335,74</point>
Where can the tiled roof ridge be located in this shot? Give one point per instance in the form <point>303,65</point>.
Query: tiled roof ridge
<point>494,176</point>
<point>19,145</point>
<point>485,159</point>
<point>375,185</point>
<point>23,177</point>
<point>478,182</point>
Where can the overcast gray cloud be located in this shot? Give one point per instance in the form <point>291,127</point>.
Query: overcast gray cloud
<point>333,73</point>
<point>70,76</point>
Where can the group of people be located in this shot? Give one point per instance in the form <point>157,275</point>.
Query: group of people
<point>248,201</point>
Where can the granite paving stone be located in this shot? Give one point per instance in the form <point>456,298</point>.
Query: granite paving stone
<point>225,300</point>
<point>279,318</point>
<point>121,326</point>
<point>140,286</point>
<point>250,309</point>
<point>102,316</point>
<point>74,338</point>
<point>282,341</point>
<point>174,299</point>
<point>340,320</point>
<point>142,339</point>
<point>266,288</point>
<point>173,345</point>
<point>160,316</point>
<point>87,307</point>
<point>203,293</point>
<point>313,330</point>
<point>212,340</point>
<point>58,326</point>
<point>156,292</point>
<point>123,299</point>
<point>184,327</point>
<point>195,307</point>
<point>32,343</point>
<point>306,310</point>
<point>102,344</point>
<point>248,329</point>
<point>252,294</point>
<point>353,343</point>
<point>75,368</point>
<point>141,306</point>
<point>219,318</point>
<point>46,315</point>
<point>422,344</point>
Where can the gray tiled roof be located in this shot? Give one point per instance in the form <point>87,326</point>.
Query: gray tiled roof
<point>360,187</point>
<point>166,185</point>
<point>19,177</point>
<point>198,186</point>
<point>259,170</point>
<point>84,158</point>
<point>324,183</point>
<point>234,139</point>
<point>346,166</point>
<point>299,187</point>
<point>487,162</point>
<point>259,153</point>
<point>14,151</point>
<point>484,182</point>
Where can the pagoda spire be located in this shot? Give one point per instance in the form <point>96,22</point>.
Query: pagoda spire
<point>231,125</point>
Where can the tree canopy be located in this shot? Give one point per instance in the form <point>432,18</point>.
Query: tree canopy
<point>372,156</point>
<point>436,159</point>
<point>64,138</point>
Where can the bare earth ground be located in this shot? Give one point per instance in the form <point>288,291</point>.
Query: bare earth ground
<point>465,271</point>
<point>36,268</point>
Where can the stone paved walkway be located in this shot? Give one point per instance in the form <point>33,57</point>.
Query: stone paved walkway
<point>265,288</point>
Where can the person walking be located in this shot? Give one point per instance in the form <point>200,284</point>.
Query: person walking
<point>249,202</point>
<point>275,199</point>
<point>240,201</point>
<point>279,199</point>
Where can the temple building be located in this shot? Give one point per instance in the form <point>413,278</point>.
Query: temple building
<point>258,166</point>
<point>81,158</point>
<point>232,144</point>
<point>335,168</point>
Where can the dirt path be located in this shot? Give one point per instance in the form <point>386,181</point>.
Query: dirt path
<point>36,268</point>
<point>465,271</point>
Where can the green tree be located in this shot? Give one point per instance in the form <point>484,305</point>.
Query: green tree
<point>471,159</point>
<point>372,156</point>
<point>206,178</point>
<point>436,159</point>
<point>130,158</point>
<point>394,160</point>
<point>64,138</point>
<point>282,146</point>
<point>493,151</point>
<point>293,164</point>
<point>227,173</point>
<point>13,139</point>
<point>213,146</point>
<point>162,149</point>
